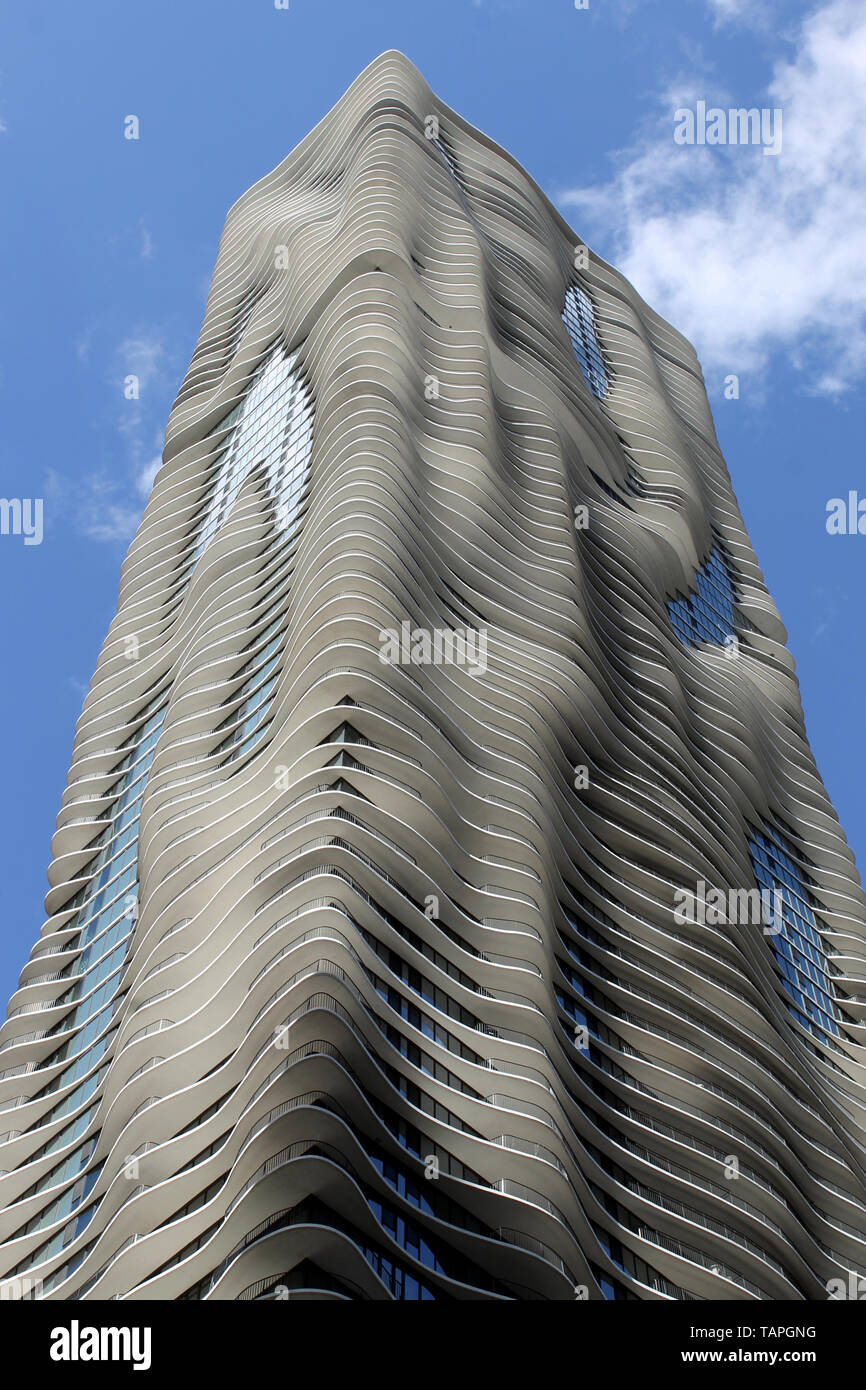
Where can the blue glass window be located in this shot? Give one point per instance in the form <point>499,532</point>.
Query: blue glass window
<point>798,946</point>
<point>272,429</point>
<point>99,968</point>
<point>706,614</point>
<point>579,319</point>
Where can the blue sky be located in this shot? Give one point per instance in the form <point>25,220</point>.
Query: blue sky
<point>107,246</point>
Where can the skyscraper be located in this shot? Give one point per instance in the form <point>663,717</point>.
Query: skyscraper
<point>444,900</point>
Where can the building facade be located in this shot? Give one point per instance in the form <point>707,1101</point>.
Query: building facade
<point>444,901</point>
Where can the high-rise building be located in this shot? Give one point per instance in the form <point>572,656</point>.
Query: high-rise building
<point>444,900</point>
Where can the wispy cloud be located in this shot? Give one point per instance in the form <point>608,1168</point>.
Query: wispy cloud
<point>747,255</point>
<point>749,14</point>
<point>726,11</point>
<point>833,605</point>
<point>146,240</point>
<point>104,520</point>
<point>144,481</point>
<point>95,504</point>
<point>105,504</point>
<point>143,355</point>
<point>141,375</point>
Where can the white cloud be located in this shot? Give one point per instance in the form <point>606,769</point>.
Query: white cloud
<point>144,481</point>
<point>144,355</point>
<point>109,521</point>
<point>751,255</point>
<point>97,506</point>
<point>751,14</point>
<point>725,10</point>
<point>146,240</point>
<point>84,344</point>
<point>106,504</point>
